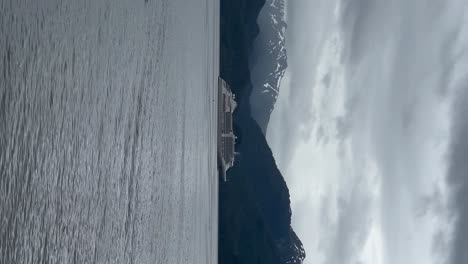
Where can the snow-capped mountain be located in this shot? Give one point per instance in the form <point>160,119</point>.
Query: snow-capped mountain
<point>269,61</point>
<point>255,206</point>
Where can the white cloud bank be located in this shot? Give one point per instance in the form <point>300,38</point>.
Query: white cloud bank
<point>365,127</point>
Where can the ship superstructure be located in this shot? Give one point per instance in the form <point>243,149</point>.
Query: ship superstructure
<point>226,137</point>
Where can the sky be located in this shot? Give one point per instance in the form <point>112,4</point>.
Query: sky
<point>369,130</point>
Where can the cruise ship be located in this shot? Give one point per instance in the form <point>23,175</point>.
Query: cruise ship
<point>226,137</point>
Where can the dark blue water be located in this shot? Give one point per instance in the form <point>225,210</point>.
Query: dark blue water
<point>107,131</point>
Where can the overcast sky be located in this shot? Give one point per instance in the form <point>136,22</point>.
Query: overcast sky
<point>370,130</point>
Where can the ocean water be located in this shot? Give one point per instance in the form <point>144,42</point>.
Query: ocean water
<point>108,131</point>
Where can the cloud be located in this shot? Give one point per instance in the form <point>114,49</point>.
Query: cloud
<point>352,227</point>
<point>343,127</point>
<point>292,111</point>
<point>458,177</point>
<point>430,204</point>
<point>380,79</point>
<point>398,59</point>
<point>356,22</point>
<point>326,80</point>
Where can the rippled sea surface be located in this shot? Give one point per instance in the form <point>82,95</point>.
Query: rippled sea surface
<point>107,131</point>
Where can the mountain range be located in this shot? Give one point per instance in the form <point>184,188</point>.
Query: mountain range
<point>254,204</point>
<point>268,60</point>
